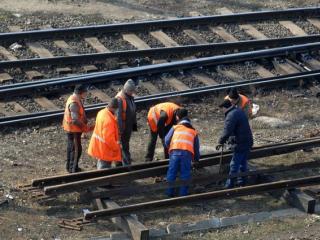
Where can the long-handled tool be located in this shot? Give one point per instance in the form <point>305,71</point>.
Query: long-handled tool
<point>220,146</point>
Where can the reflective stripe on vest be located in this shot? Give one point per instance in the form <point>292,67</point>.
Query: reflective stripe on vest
<point>98,137</point>
<point>183,138</point>
<point>124,105</point>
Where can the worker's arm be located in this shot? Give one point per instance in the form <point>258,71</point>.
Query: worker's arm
<point>119,115</point>
<point>248,110</point>
<point>168,137</point>
<point>229,126</point>
<point>162,123</point>
<point>75,115</point>
<point>196,148</point>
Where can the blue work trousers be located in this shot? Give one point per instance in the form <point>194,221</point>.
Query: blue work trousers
<point>238,164</point>
<point>180,161</point>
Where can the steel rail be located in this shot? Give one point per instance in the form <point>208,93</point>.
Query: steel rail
<point>65,178</point>
<point>108,76</point>
<point>147,188</point>
<point>163,51</point>
<point>221,194</point>
<point>160,170</point>
<point>94,108</point>
<point>156,24</point>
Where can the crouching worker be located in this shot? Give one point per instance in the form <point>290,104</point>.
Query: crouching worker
<point>105,144</point>
<point>183,144</point>
<point>236,124</point>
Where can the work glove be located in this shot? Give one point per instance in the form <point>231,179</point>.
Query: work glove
<point>219,146</point>
<point>196,165</point>
<point>135,127</point>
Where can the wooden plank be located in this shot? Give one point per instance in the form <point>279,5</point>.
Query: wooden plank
<point>195,36</point>
<point>97,45</point>
<point>252,31</point>
<point>33,75</point>
<point>224,11</point>
<point>180,86</point>
<point>5,77</point>
<point>17,109</point>
<point>134,40</point>
<point>164,39</point>
<point>204,79</point>
<point>129,224</point>
<point>6,54</point>
<point>230,74</point>
<point>151,88</point>
<point>313,64</point>
<point>300,200</point>
<point>223,34</point>
<point>284,68</point>
<point>46,103</point>
<point>293,28</point>
<point>38,49</point>
<point>100,95</point>
<point>64,46</point>
<point>315,22</point>
<point>263,72</point>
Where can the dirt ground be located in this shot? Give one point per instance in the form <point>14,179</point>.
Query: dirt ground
<point>36,151</point>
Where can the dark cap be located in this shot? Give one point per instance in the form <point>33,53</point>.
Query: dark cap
<point>80,89</point>
<point>113,103</point>
<point>233,93</point>
<point>226,104</point>
<point>181,113</point>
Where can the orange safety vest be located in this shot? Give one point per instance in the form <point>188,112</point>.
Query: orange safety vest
<point>183,138</point>
<point>104,142</point>
<point>244,103</point>
<point>121,96</point>
<point>67,120</point>
<point>154,114</point>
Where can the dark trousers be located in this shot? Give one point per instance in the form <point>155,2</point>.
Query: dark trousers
<point>239,163</point>
<point>125,140</point>
<point>74,151</point>
<point>153,142</point>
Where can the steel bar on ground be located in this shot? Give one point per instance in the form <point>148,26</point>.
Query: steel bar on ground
<point>188,50</point>
<point>93,109</point>
<point>229,193</point>
<point>54,180</point>
<point>134,189</point>
<point>24,88</point>
<point>137,26</point>
<point>160,170</point>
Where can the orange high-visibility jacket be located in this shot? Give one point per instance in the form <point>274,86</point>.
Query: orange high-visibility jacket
<point>245,104</point>
<point>154,114</point>
<point>121,96</point>
<point>104,143</point>
<point>183,138</point>
<point>67,120</point>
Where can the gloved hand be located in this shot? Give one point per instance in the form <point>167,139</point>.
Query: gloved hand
<point>135,127</point>
<point>219,146</point>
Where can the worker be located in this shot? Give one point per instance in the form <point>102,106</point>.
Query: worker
<point>241,101</point>
<point>183,144</point>
<point>236,124</point>
<point>161,118</point>
<point>105,143</point>
<point>75,123</point>
<point>126,117</point>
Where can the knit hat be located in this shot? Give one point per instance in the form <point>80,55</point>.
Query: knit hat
<point>233,93</point>
<point>129,86</point>
<point>113,103</point>
<point>80,89</point>
<point>226,104</point>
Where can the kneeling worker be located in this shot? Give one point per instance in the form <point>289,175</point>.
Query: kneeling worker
<point>105,144</point>
<point>183,143</point>
<point>236,124</point>
<point>161,118</point>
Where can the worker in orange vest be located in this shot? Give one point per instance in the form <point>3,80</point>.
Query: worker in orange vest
<point>127,119</point>
<point>75,123</point>
<point>161,118</point>
<point>240,101</point>
<point>183,143</point>
<point>105,143</point>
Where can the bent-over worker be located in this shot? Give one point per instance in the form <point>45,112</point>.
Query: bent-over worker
<point>240,101</point>
<point>161,118</point>
<point>183,143</point>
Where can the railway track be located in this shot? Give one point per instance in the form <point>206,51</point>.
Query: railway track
<point>160,44</point>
